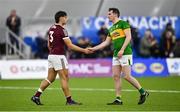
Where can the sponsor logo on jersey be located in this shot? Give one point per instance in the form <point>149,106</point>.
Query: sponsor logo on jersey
<point>115,34</point>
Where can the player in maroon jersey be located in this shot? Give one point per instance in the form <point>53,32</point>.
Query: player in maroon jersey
<point>57,62</point>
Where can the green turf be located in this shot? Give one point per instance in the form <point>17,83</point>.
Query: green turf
<point>19,99</point>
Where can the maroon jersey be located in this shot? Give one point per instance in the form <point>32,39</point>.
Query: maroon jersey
<point>56,35</point>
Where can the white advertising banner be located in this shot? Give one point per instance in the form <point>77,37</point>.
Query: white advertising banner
<point>173,65</point>
<point>23,69</point>
<point>38,69</point>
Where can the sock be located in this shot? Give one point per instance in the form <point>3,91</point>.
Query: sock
<point>38,93</point>
<point>118,97</point>
<point>141,91</point>
<point>68,99</point>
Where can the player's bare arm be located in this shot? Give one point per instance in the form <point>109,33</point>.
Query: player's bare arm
<point>126,42</point>
<point>102,45</point>
<point>70,45</point>
<point>48,45</point>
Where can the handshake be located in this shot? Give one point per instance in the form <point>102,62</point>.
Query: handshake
<point>89,50</point>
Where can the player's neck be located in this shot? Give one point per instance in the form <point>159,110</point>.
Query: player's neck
<point>61,24</point>
<point>115,20</point>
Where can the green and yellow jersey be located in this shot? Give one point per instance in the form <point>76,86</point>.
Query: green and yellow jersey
<point>116,32</point>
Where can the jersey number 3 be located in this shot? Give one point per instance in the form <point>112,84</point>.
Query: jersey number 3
<point>51,36</point>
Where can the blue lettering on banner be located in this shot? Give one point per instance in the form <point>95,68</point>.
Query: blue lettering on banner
<point>90,25</point>
<point>176,66</point>
<point>173,65</point>
<point>149,67</point>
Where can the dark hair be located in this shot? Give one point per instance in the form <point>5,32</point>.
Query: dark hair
<point>59,14</point>
<point>115,11</point>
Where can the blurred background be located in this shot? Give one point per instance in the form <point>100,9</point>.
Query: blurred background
<point>155,27</point>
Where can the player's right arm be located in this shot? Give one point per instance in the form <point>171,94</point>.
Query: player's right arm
<point>70,45</point>
<point>49,44</point>
<point>102,45</point>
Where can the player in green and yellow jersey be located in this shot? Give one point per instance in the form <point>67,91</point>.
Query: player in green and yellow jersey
<point>120,36</point>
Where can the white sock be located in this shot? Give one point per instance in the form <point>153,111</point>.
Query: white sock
<point>39,90</point>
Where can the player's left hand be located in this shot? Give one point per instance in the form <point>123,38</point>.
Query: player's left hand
<point>87,51</point>
<point>120,53</point>
<point>91,49</point>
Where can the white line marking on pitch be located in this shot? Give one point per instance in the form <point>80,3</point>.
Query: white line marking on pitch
<point>85,89</point>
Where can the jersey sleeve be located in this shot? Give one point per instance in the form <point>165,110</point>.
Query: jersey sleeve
<point>125,25</point>
<point>109,33</point>
<point>65,33</point>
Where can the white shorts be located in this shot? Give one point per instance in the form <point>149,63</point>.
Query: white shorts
<point>123,61</point>
<point>58,62</point>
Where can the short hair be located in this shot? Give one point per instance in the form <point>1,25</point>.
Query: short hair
<point>59,14</point>
<point>115,11</point>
